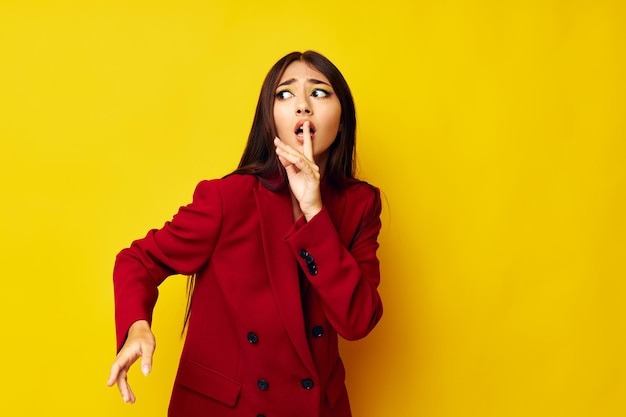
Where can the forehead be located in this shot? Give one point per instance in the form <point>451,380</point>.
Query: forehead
<point>302,71</point>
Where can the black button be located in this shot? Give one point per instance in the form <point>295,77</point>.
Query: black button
<point>313,269</point>
<point>263,385</point>
<point>318,331</point>
<point>253,338</point>
<point>260,415</point>
<point>307,383</point>
<point>303,253</point>
<point>308,259</point>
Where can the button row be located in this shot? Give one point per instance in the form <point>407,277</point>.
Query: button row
<point>310,262</point>
<point>306,383</point>
<point>317,332</point>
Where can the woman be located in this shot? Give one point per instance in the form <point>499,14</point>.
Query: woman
<point>283,255</point>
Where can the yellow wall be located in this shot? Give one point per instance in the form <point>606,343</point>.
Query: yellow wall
<point>495,129</point>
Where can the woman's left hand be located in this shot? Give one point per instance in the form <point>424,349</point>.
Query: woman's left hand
<point>303,173</point>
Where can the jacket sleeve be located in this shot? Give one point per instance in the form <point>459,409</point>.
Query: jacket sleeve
<point>182,246</point>
<point>346,277</point>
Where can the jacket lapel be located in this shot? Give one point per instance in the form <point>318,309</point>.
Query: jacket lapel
<point>276,218</point>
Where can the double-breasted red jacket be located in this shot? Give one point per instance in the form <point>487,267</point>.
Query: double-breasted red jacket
<point>271,296</point>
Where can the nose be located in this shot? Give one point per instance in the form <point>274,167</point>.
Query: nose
<point>303,108</point>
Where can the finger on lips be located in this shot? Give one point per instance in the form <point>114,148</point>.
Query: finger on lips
<point>289,155</point>
<point>308,142</point>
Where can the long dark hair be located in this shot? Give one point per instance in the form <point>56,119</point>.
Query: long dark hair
<point>259,156</point>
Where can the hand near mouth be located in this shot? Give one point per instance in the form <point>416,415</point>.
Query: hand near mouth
<point>303,173</point>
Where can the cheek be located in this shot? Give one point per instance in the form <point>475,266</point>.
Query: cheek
<point>336,114</point>
<point>279,119</point>
<point>334,120</point>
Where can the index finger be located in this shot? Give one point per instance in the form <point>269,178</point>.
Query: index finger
<point>117,368</point>
<point>307,144</point>
<point>124,360</point>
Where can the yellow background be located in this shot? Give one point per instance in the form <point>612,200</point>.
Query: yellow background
<point>496,130</point>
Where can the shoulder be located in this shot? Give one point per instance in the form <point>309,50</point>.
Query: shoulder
<point>362,210</point>
<point>228,192</point>
<point>361,191</point>
<point>359,199</point>
<point>229,186</point>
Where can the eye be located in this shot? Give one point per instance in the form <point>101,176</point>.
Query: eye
<point>284,94</point>
<point>320,93</point>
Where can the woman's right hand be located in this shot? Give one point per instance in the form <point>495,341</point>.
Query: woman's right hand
<point>139,343</point>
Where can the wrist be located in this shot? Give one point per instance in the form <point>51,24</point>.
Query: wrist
<point>139,325</point>
<point>309,214</point>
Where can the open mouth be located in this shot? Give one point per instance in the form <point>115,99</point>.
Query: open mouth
<point>300,129</point>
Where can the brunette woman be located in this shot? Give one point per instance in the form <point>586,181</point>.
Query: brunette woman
<point>283,255</point>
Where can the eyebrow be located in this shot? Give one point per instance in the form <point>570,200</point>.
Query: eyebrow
<point>310,80</point>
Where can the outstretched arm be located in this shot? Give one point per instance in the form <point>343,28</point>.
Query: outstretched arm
<point>182,246</point>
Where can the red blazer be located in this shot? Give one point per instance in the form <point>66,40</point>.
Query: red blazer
<point>271,296</point>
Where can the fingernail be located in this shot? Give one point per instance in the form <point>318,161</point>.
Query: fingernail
<point>145,369</point>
